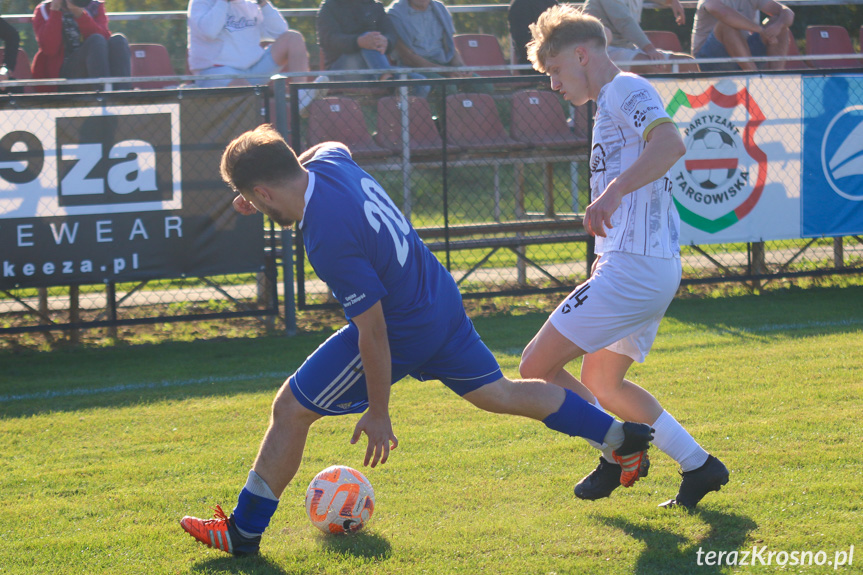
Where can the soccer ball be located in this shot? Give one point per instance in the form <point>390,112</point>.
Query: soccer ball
<point>340,500</point>
<point>719,145</point>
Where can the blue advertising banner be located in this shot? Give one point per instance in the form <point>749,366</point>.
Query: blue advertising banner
<point>832,190</point>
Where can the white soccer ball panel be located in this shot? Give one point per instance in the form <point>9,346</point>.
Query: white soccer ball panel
<point>339,500</point>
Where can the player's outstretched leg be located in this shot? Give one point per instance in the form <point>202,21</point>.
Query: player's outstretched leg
<point>221,533</point>
<point>699,482</point>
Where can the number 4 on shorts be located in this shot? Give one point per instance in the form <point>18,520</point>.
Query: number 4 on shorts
<point>578,297</point>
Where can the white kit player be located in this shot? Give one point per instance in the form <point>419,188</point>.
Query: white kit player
<point>613,317</point>
<point>405,317</point>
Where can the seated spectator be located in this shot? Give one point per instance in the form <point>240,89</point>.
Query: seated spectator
<point>628,42</point>
<point>74,42</point>
<point>11,40</point>
<point>523,13</point>
<point>425,32</point>
<point>731,28</point>
<point>225,38</point>
<point>358,35</point>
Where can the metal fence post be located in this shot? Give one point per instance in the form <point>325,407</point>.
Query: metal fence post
<point>280,101</point>
<point>288,279</point>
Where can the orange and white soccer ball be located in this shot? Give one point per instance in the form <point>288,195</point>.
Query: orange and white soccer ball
<point>340,500</point>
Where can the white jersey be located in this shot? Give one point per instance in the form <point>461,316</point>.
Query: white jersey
<point>646,222</point>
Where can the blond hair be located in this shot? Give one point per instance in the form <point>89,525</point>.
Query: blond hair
<point>559,27</point>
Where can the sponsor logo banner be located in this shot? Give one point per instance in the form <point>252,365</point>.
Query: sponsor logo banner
<point>740,177</point>
<point>110,193</point>
<point>833,156</point>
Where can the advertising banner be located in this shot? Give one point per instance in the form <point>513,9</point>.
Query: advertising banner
<point>123,191</point>
<point>740,178</point>
<point>833,158</point>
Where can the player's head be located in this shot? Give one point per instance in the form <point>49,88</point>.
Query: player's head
<point>259,156</point>
<point>565,41</point>
<point>561,27</point>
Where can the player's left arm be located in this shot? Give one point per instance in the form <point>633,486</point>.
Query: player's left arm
<point>663,148</point>
<point>377,365</point>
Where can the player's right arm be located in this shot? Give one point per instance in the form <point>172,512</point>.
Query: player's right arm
<point>663,148</point>
<point>377,366</point>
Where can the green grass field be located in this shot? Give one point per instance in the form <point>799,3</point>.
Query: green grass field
<point>105,449</point>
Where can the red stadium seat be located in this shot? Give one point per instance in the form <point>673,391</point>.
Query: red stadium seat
<point>538,120</point>
<point>481,50</point>
<point>22,68</point>
<point>341,120</point>
<point>473,124</point>
<point>151,60</point>
<point>664,40</point>
<point>423,133</point>
<point>794,51</point>
<point>830,40</point>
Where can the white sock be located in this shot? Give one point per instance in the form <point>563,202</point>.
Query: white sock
<point>257,486</point>
<point>604,447</point>
<point>674,441</point>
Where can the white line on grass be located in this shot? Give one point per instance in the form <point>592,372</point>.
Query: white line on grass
<point>267,375</point>
<point>136,386</point>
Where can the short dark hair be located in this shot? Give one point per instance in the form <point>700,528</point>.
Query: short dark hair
<point>258,156</point>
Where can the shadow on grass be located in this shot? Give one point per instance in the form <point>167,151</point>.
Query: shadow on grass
<point>365,545</point>
<point>670,552</point>
<point>257,564</point>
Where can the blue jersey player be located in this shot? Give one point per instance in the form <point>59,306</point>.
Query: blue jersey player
<point>405,317</point>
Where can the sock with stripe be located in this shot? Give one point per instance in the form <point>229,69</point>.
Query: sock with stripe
<point>579,418</point>
<point>606,449</point>
<point>255,506</point>
<point>670,438</point>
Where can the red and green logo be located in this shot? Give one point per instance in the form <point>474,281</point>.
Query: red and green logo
<point>714,186</point>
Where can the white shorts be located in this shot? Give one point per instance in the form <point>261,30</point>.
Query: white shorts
<point>619,308</point>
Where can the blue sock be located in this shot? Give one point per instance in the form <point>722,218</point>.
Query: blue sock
<point>253,512</point>
<point>579,418</point>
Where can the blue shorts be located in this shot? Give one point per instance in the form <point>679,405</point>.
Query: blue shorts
<point>265,67</point>
<point>713,48</point>
<point>332,382</point>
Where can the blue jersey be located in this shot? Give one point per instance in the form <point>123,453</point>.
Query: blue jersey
<point>366,251</point>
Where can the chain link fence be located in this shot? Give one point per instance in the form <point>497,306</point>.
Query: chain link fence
<point>112,211</point>
<point>494,175</point>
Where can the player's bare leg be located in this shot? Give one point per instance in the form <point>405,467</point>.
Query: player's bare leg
<point>564,411</point>
<point>278,460</point>
<point>603,372</point>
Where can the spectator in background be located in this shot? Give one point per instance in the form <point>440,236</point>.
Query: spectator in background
<point>358,35</point>
<point>523,13</point>
<point>74,42</point>
<point>225,38</point>
<point>11,40</point>
<point>730,28</point>
<point>628,41</point>
<point>425,36</point>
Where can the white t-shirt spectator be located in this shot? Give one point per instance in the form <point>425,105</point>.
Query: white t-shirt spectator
<point>223,33</point>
